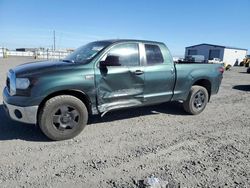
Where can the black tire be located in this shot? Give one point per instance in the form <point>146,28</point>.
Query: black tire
<point>63,117</point>
<point>248,70</point>
<point>196,101</point>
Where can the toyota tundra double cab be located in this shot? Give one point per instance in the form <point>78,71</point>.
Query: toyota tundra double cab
<point>103,76</point>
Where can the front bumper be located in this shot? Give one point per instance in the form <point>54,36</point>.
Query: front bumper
<point>22,114</point>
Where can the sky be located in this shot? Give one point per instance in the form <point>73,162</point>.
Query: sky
<point>177,23</point>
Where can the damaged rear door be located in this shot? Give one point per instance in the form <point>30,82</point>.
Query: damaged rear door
<point>120,78</point>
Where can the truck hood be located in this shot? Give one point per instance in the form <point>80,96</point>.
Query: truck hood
<point>39,67</point>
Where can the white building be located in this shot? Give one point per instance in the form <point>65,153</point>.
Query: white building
<point>227,54</point>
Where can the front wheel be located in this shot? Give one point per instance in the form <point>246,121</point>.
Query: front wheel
<point>196,101</point>
<point>63,117</point>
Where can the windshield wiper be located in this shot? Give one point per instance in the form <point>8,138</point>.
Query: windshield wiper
<point>69,61</point>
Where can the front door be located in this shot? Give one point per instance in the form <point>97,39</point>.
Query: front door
<point>120,78</point>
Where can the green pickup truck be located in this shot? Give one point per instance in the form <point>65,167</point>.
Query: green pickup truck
<point>103,76</point>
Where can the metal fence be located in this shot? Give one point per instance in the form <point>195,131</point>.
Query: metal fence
<point>40,54</point>
<point>51,54</point>
<point>16,53</point>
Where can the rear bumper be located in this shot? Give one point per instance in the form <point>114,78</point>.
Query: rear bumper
<point>22,114</point>
<point>217,87</point>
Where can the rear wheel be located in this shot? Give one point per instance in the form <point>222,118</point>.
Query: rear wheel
<point>196,101</point>
<point>248,70</point>
<point>63,117</point>
<point>241,63</point>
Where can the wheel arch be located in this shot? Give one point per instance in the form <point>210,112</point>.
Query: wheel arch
<point>206,84</point>
<point>76,93</point>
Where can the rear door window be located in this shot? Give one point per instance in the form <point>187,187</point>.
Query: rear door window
<point>153,54</point>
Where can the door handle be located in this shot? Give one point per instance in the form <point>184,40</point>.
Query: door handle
<point>138,72</point>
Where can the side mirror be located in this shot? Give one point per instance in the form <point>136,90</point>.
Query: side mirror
<point>111,60</point>
<point>102,64</point>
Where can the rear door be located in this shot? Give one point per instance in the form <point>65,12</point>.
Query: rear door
<point>121,83</point>
<point>159,73</point>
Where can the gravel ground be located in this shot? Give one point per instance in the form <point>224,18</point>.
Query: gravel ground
<point>124,147</point>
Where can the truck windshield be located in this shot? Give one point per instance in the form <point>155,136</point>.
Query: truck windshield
<point>87,52</point>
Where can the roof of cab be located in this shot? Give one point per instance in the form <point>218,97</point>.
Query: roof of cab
<point>130,40</point>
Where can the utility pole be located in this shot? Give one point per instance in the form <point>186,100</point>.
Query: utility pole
<point>54,33</point>
<point>3,51</point>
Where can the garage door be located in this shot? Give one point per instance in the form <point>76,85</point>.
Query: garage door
<point>214,54</point>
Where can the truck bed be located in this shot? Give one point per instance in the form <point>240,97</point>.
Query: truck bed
<point>188,73</point>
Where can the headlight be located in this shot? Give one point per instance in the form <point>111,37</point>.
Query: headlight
<point>22,83</point>
<point>12,84</point>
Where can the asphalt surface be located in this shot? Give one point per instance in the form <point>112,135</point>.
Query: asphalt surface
<point>125,147</point>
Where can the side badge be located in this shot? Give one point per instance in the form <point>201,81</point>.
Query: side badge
<point>89,77</point>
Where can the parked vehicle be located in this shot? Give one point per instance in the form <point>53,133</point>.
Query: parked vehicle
<point>227,66</point>
<point>215,60</point>
<point>103,76</point>
<point>194,59</point>
<point>177,59</point>
<point>246,61</point>
<point>248,70</point>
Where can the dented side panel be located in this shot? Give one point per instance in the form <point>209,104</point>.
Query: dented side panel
<point>118,87</point>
